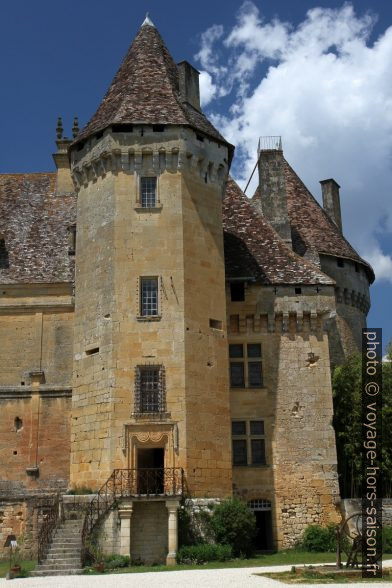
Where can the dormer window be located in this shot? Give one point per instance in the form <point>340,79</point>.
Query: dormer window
<point>148,192</point>
<point>4,260</point>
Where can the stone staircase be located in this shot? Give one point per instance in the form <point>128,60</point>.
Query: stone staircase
<point>63,557</point>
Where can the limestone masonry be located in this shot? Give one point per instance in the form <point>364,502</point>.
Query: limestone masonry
<point>165,335</point>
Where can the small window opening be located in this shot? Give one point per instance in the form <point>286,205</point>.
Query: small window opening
<point>340,262</point>
<point>15,452</point>
<point>4,259</point>
<point>18,423</point>
<point>356,267</point>
<point>148,192</point>
<point>127,128</point>
<point>158,128</point>
<point>237,291</point>
<point>93,351</point>
<point>215,324</point>
<point>71,240</point>
<point>149,296</point>
<point>200,138</point>
<point>298,290</point>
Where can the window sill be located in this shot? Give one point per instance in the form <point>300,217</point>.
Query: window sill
<point>148,319</point>
<point>254,388</point>
<point>148,209</point>
<point>151,416</point>
<point>264,465</point>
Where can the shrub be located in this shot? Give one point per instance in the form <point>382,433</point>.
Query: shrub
<point>115,561</point>
<point>387,539</point>
<point>199,554</point>
<point>319,539</point>
<point>80,491</point>
<point>234,524</point>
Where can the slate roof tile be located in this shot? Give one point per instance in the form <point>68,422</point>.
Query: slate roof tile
<point>33,222</point>
<point>254,249</point>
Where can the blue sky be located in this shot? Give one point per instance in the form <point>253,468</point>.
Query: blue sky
<point>319,79</point>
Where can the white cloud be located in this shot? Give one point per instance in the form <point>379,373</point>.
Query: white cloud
<point>207,88</point>
<point>327,91</point>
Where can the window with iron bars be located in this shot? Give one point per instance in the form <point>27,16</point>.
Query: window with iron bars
<point>148,192</point>
<point>149,296</point>
<point>150,389</point>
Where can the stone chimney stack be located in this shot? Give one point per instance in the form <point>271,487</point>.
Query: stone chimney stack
<point>64,183</point>
<point>331,201</point>
<point>272,198</point>
<point>189,84</point>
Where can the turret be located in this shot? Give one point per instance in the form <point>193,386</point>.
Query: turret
<point>150,371</point>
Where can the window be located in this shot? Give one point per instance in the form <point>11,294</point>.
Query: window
<point>245,365</point>
<point>248,443</point>
<point>4,260</point>
<point>71,239</point>
<point>150,389</point>
<point>298,290</point>
<point>148,189</point>
<point>237,291</point>
<point>149,296</point>
<point>340,262</point>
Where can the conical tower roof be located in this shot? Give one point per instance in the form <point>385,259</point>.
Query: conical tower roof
<point>146,90</point>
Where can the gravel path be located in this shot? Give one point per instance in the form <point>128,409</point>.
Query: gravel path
<point>223,578</point>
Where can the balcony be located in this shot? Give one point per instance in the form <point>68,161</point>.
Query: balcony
<point>143,483</point>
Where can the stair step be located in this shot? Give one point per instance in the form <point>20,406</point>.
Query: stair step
<point>54,572</point>
<point>59,566</point>
<point>63,559</point>
<point>63,550</point>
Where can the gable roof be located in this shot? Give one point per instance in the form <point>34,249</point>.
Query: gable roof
<point>311,226</point>
<point>33,222</point>
<point>253,249</point>
<point>146,90</point>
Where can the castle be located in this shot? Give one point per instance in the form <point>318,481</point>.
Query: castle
<point>162,335</point>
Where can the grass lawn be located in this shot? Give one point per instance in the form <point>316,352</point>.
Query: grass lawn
<point>27,565</point>
<point>289,557</point>
<point>309,576</point>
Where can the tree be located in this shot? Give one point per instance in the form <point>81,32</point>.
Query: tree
<point>347,421</point>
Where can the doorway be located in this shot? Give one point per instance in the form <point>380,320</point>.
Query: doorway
<point>263,514</point>
<point>150,468</point>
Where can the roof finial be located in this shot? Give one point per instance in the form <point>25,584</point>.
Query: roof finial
<point>59,129</point>
<point>75,127</point>
<point>148,21</point>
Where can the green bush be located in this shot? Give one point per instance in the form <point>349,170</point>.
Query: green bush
<point>80,491</point>
<point>387,539</point>
<point>319,539</point>
<point>199,554</point>
<point>234,524</point>
<point>115,561</point>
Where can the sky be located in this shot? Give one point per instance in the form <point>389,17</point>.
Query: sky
<point>316,73</point>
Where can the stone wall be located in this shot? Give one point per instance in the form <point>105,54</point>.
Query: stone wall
<point>180,242</point>
<point>149,532</point>
<point>295,403</point>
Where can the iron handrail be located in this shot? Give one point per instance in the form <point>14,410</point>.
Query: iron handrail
<point>51,520</point>
<point>128,483</point>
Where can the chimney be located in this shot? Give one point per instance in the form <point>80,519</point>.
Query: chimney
<point>64,183</point>
<point>331,201</point>
<point>189,84</point>
<point>272,186</point>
